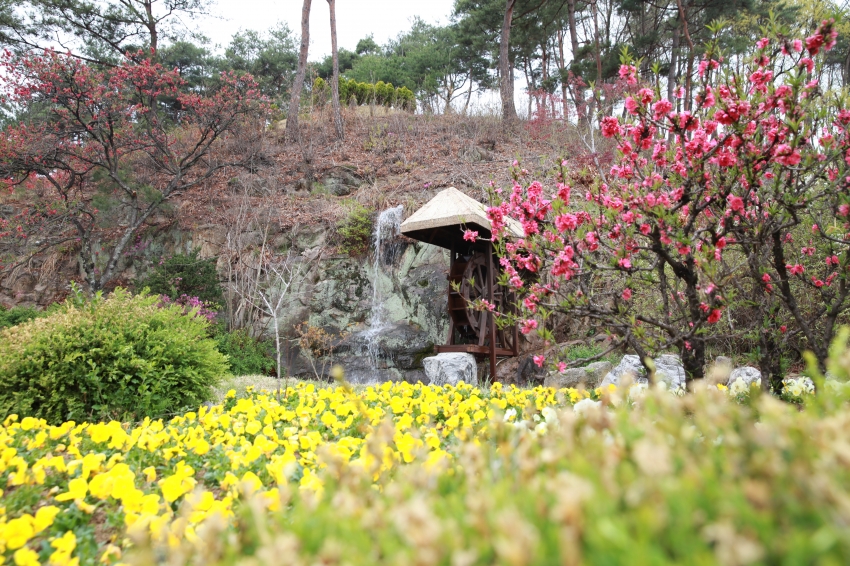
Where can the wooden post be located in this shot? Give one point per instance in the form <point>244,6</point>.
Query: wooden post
<point>450,339</point>
<point>491,298</point>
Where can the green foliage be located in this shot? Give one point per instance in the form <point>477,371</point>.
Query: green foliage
<point>122,357</point>
<point>17,315</point>
<point>271,57</point>
<point>246,354</point>
<point>185,274</point>
<point>355,230</point>
<point>321,90</point>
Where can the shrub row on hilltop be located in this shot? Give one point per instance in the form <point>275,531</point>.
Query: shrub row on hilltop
<point>353,92</point>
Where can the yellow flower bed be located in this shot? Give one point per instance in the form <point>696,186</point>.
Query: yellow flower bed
<point>75,493</point>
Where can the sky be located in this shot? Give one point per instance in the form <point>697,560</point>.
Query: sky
<point>355,19</point>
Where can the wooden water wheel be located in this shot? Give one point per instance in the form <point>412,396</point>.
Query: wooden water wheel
<point>473,271</point>
<point>468,282</point>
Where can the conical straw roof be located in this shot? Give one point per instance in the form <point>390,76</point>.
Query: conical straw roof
<point>442,219</point>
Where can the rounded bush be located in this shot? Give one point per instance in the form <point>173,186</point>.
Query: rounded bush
<point>122,357</point>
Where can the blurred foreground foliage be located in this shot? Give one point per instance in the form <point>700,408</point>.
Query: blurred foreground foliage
<point>646,478</point>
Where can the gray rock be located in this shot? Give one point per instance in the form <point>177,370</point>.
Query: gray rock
<point>451,369</point>
<point>340,180</point>
<point>669,369</point>
<point>747,373</point>
<point>596,372</point>
<point>630,364</point>
<point>527,371</point>
<point>589,376</point>
<point>723,361</point>
<point>569,378</point>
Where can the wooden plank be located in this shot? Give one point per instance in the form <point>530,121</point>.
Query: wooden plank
<point>492,316</point>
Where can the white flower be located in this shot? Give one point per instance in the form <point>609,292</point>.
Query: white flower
<point>582,406</point>
<point>739,387</point>
<point>510,415</point>
<point>550,415</point>
<point>540,429</point>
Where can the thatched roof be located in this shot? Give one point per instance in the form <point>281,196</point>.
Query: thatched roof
<point>441,220</point>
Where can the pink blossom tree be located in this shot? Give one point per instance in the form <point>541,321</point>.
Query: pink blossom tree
<point>737,204</point>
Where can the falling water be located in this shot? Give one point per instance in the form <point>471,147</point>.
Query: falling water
<point>387,228</point>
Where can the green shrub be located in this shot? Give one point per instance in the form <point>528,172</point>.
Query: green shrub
<point>355,231</point>
<point>405,99</point>
<point>17,315</point>
<point>247,355</point>
<point>388,95</point>
<point>380,91</point>
<point>185,274</point>
<point>350,91</point>
<point>122,357</point>
<point>320,92</point>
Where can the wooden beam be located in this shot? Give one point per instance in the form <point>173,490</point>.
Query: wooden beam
<point>490,268</point>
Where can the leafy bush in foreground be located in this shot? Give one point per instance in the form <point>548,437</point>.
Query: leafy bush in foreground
<point>119,357</point>
<point>17,315</point>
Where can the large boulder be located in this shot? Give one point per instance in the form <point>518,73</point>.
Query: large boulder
<point>451,369</point>
<point>749,374</point>
<point>669,369</point>
<point>568,378</point>
<point>631,365</point>
<point>590,376</point>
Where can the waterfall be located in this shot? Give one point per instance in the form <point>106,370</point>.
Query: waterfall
<point>387,229</point>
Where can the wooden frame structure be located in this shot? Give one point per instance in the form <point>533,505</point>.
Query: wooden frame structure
<point>472,274</point>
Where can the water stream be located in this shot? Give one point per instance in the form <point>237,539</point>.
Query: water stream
<point>387,229</point>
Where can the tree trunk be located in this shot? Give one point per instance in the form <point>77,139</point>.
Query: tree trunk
<point>683,17</point>
<point>151,25</point>
<point>468,94</point>
<point>562,69</point>
<point>578,93</point>
<point>597,53</point>
<point>506,75</point>
<point>295,101</point>
<point>340,130</point>
<point>672,73</point>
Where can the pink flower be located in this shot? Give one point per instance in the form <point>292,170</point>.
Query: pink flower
<point>798,45</point>
<point>631,105</point>
<point>714,316</point>
<point>610,126</point>
<point>562,367</point>
<point>844,209</point>
<point>795,269</point>
<point>735,203</point>
<point>814,43</point>
<point>646,95</point>
<point>766,278</point>
<point>528,326</point>
<point>539,360</point>
<point>818,283</point>
<point>470,235</point>
<point>662,108</point>
<point>629,74</point>
<point>566,222</point>
<point>762,43</point>
<point>783,329</point>
<point>627,294</point>
<point>625,263</point>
